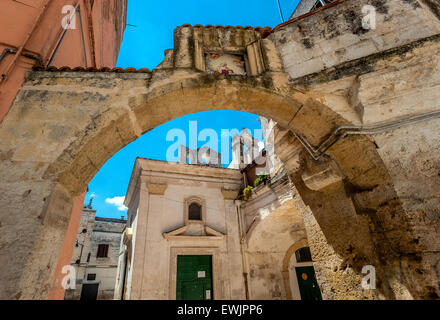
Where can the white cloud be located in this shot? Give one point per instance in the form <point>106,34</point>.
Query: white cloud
<point>118,202</point>
<point>260,145</point>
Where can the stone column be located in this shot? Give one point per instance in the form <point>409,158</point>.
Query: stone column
<point>331,222</point>
<point>155,253</point>
<point>57,291</point>
<point>141,256</point>
<point>137,263</point>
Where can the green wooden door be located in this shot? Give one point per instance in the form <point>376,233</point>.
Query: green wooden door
<point>194,277</point>
<point>308,286</point>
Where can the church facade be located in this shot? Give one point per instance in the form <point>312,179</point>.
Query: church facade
<point>193,232</point>
<point>182,236</point>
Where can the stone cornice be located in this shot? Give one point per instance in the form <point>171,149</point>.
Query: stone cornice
<point>157,188</point>
<point>229,194</point>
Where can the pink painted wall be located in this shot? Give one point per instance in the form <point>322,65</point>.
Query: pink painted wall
<point>35,27</point>
<point>65,256</point>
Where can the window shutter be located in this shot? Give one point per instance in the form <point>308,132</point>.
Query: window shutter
<point>303,255</point>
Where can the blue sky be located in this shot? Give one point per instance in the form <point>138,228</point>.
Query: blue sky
<point>143,47</point>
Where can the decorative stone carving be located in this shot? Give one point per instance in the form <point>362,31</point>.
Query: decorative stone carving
<point>156,188</point>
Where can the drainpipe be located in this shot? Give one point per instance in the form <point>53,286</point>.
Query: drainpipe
<point>24,54</point>
<point>6,51</point>
<point>242,248</point>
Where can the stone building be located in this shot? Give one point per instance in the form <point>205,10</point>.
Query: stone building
<point>357,113</point>
<point>95,256</point>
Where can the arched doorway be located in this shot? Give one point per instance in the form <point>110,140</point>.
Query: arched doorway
<point>278,226</point>
<point>302,276</point>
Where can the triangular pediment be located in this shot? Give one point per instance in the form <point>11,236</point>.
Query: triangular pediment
<point>187,233</point>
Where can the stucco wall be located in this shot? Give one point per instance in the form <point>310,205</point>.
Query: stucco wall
<point>94,42</point>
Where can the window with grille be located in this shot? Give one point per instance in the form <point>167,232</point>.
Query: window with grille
<point>91,276</point>
<point>102,251</point>
<point>303,255</point>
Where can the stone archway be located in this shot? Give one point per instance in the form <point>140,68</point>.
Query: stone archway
<point>65,124</point>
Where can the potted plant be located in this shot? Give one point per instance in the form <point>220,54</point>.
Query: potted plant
<point>262,178</point>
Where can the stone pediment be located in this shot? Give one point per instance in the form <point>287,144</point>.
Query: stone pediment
<point>194,231</point>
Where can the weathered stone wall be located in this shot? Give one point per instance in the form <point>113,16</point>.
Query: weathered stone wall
<point>335,35</point>
<point>370,77</point>
<point>42,208</point>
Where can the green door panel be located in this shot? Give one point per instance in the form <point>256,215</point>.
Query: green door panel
<point>194,277</point>
<point>192,290</point>
<point>308,286</point>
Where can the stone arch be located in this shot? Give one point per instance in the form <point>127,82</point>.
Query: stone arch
<point>119,113</point>
<point>286,261</point>
<point>144,111</point>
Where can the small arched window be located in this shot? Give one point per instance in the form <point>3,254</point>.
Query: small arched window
<point>303,255</point>
<point>195,211</point>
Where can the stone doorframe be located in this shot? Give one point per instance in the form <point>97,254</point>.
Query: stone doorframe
<point>199,251</point>
<point>285,268</point>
